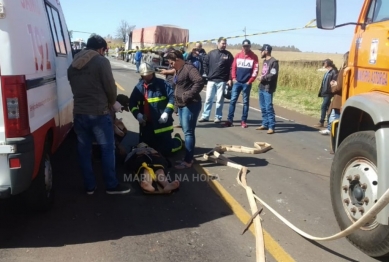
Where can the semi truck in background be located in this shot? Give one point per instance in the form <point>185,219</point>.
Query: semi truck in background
<point>152,37</point>
<point>360,168</point>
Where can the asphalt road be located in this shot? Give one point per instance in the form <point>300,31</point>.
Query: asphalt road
<point>195,223</point>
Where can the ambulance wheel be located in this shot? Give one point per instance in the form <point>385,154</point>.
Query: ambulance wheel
<point>353,184</point>
<point>40,193</point>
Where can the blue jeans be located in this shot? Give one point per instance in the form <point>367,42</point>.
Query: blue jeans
<point>137,64</point>
<point>214,88</point>
<point>188,118</point>
<point>335,114</point>
<point>235,92</point>
<point>324,108</point>
<point>266,105</point>
<point>90,128</point>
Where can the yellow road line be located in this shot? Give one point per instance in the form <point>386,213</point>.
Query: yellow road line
<point>271,245</point>
<point>119,86</point>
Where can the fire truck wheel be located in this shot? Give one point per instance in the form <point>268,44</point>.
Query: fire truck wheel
<point>353,184</point>
<point>40,193</point>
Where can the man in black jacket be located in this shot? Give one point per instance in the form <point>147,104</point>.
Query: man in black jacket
<point>217,66</point>
<point>267,86</point>
<point>325,89</point>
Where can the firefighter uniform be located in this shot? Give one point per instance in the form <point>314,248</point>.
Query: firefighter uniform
<point>154,100</point>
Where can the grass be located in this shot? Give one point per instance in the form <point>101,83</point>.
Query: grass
<point>297,89</point>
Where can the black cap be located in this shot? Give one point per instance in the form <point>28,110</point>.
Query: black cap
<point>123,100</point>
<point>246,42</point>
<point>266,47</point>
<point>96,42</point>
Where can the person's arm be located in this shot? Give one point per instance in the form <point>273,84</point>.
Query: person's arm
<point>233,69</point>
<point>206,64</point>
<point>197,86</point>
<point>254,73</point>
<point>136,96</point>
<point>170,95</point>
<point>272,73</point>
<point>337,87</point>
<point>167,71</point>
<point>108,81</point>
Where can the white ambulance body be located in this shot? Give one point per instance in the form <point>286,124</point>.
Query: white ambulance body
<point>36,101</point>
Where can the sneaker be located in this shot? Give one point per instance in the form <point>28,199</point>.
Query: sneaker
<point>217,121</point>
<point>243,124</point>
<point>261,128</point>
<point>120,189</point>
<point>91,192</point>
<point>227,124</point>
<point>270,131</point>
<point>319,125</point>
<point>324,132</point>
<point>201,120</point>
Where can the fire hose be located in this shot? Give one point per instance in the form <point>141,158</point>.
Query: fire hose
<point>260,147</point>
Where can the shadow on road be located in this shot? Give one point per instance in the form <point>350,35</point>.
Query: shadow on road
<point>78,218</point>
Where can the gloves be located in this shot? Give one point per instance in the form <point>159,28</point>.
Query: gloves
<point>140,118</point>
<point>163,119</point>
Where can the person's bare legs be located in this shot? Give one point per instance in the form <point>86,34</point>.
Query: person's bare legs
<point>146,181</point>
<point>162,180</point>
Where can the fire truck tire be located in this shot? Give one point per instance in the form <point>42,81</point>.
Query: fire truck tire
<point>352,166</point>
<point>40,194</point>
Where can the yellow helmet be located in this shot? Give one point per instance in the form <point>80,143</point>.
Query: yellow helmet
<point>146,69</point>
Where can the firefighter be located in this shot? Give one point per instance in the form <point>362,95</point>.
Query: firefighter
<point>152,104</point>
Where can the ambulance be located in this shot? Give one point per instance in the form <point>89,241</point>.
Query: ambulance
<point>36,101</point>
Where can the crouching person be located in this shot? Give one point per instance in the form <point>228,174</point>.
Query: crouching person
<point>152,104</point>
<point>150,167</point>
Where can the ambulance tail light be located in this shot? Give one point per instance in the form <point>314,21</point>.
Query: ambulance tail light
<point>15,106</point>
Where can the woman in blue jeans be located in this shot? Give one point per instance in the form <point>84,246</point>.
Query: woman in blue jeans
<point>188,85</point>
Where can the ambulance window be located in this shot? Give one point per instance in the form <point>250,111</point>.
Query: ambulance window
<point>56,30</point>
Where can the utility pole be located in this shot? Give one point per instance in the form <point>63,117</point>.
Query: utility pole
<point>244,30</point>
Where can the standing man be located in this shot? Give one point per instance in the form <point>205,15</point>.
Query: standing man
<point>267,87</point>
<point>200,54</point>
<point>138,58</point>
<point>325,89</point>
<point>94,92</point>
<point>152,104</point>
<point>217,66</point>
<point>199,51</point>
<point>244,71</point>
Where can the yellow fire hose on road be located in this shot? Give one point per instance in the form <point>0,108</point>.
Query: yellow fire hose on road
<point>260,147</point>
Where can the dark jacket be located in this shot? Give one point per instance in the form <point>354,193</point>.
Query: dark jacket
<point>202,53</point>
<point>92,82</point>
<point>199,58</point>
<point>189,84</point>
<point>325,88</point>
<point>160,98</point>
<point>217,65</point>
<point>269,75</point>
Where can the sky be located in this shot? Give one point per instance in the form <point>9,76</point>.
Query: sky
<point>208,19</point>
